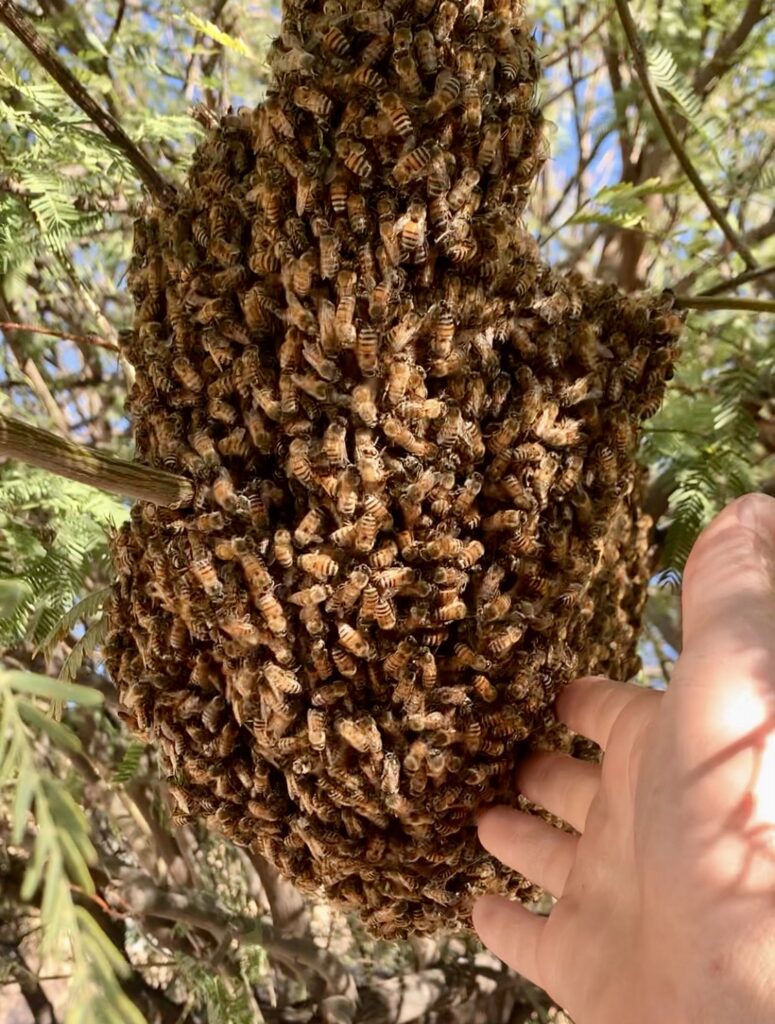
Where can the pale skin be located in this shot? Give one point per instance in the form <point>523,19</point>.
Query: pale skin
<point>665,905</point>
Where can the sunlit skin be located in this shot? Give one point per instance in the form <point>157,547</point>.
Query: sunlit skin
<point>665,905</point>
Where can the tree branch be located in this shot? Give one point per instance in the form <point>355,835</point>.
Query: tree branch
<point>730,43</point>
<point>86,339</point>
<point>38,1003</point>
<point>36,447</point>
<point>735,282</point>
<point>143,898</point>
<point>754,236</point>
<point>711,302</point>
<point>13,18</point>
<point>641,66</point>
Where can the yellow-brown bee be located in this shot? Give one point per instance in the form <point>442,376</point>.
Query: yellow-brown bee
<point>316,728</point>
<point>406,68</point>
<point>425,48</point>
<point>353,156</point>
<point>363,399</point>
<point>410,227</point>
<point>373,22</point>
<point>446,94</point>
<point>413,165</point>
<point>367,351</point>
<point>444,22</point>
<point>391,105</point>
<point>318,564</point>
<point>348,593</point>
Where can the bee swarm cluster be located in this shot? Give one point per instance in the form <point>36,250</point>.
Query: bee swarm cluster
<point>413,452</point>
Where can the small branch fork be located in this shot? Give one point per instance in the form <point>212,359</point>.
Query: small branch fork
<point>641,66</point>
<point>15,20</point>
<point>41,448</point>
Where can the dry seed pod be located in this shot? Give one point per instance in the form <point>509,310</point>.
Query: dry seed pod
<point>417,510</point>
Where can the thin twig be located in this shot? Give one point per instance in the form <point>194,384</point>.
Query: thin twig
<point>31,370</point>
<point>15,20</point>
<point>711,302</point>
<point>550,61</point>
<point>41,448</point>
<point>641,66</point>
<point>86,339</point>
<point>730,43</point>
<point>744,278</point>
<point>120,10</point>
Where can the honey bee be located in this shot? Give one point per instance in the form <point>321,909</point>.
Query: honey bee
<point>347,594</point>
<point>391,105</point>
<point>369,465</point>
<point>298,464</point>
<point>504,640</point>
<point>281,680</point>
<point>605,463</point>
<point>373,22</point>
<point>366,264</point>
<point>329,693</point>
<point>306,532</point>
<point>316,594</point>
<point>446,93</point>
<point>353,156</point>
<point>328,264</point>
<point>635,364</point>
<point>367,353</point>
<point>413,165</point>
<point>366,529</point>
<point>368,607</point>
<point>425,48</point>
<point>204,571</point>
<point>495,609</point>
<point>385,613</point>
<point>489,145</point>
<point>319,565</point>
<point>375,50</point>
<point>345,664</point>
<point>223,491</point>
<point>316,728</point>
<point>471,554</point>
<point>400,434</point>
<point>452,611</point>
<point>361,733</point>
<point>428,668</point>
<point>335,443</point>
<point>504,519</point>
<point>570,475</point>
<point>410,227</point>
<point>401,334</point>
<point>406,69</point>
<point>313,100</point>
<point>336,42</point>
<point>444,22</point>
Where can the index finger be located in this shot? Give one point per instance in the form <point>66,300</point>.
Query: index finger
<point>728,594</point>
<point>592,706</point>
<point>723,686</point>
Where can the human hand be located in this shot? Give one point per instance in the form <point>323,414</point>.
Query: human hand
<point>665,909</point>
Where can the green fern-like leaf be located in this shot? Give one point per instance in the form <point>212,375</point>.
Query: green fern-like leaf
<point>85,647</point>
<point>129,765</point>
<point>666,75</point>
<point>85,609</point>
